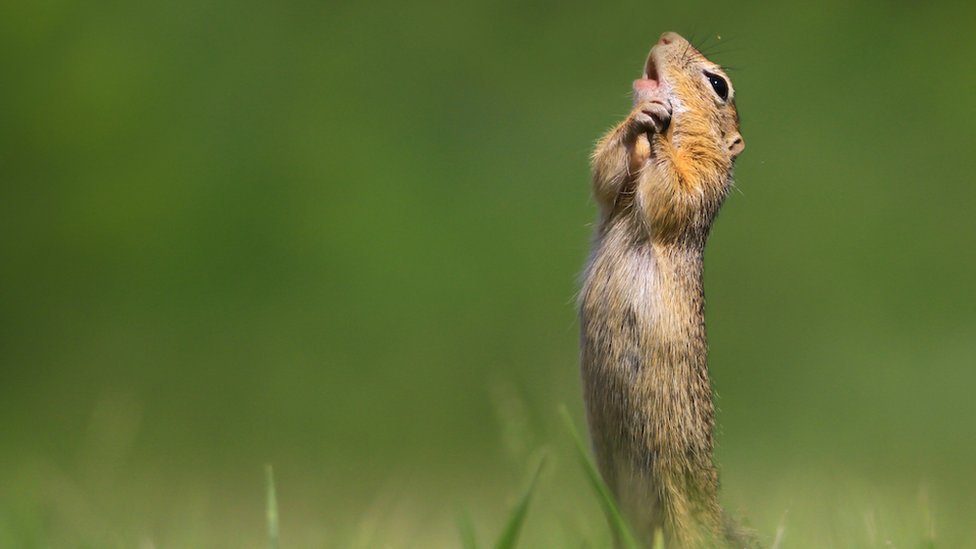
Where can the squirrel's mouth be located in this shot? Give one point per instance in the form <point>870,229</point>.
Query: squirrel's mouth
<point>650,70</point>
<point>649,84</point>
<point>651,94</point>
<point>650,87</point>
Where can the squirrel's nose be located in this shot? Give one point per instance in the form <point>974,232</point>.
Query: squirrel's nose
<point>668,38</point>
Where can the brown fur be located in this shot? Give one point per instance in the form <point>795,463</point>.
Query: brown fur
<point>659,178</point>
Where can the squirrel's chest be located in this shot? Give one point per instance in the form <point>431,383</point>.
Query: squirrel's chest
<point>622,291</point>
<point>635,313</point>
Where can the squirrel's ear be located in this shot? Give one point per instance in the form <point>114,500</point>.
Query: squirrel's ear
<point>736,144</point>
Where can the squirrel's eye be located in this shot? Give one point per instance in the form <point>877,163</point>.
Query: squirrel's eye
<point>719,84</point>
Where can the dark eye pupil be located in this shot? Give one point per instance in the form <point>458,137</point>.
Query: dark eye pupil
<point>719,84</point>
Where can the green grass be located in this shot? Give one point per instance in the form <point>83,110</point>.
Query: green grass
<point>272,508</point>
<point>517,520</point>
<point>607,503</point>
<point>509,536</point>
<point>563,504</point>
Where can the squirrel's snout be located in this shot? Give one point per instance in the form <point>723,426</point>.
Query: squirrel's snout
<point>668,38</point>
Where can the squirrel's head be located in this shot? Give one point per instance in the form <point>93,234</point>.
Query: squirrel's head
<point>695,149</point>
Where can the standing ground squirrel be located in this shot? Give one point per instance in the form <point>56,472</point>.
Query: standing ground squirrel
<point>659,178</point>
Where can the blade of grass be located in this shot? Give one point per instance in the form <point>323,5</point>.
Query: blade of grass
<point>928,541</point>
<point>510,535</point>
<point>781,533</point>
<point>271,508</point>
<point>658,539</point>
<point>466,530</point>
<point>616,520</point>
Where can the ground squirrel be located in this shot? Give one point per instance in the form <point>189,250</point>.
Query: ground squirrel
<point>659,178</point>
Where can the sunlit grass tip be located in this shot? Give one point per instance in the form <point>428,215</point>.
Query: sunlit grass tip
<point>271,508</point>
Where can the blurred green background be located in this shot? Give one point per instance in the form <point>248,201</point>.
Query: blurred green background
<point>344,238</point>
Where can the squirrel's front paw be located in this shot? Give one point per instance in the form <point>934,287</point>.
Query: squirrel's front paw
<point>651,116</point>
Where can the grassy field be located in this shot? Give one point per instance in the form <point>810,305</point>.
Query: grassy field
<point>344,239</point>
<point>551,501</point>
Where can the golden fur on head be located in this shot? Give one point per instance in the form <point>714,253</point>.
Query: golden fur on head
<point>684,140</point>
